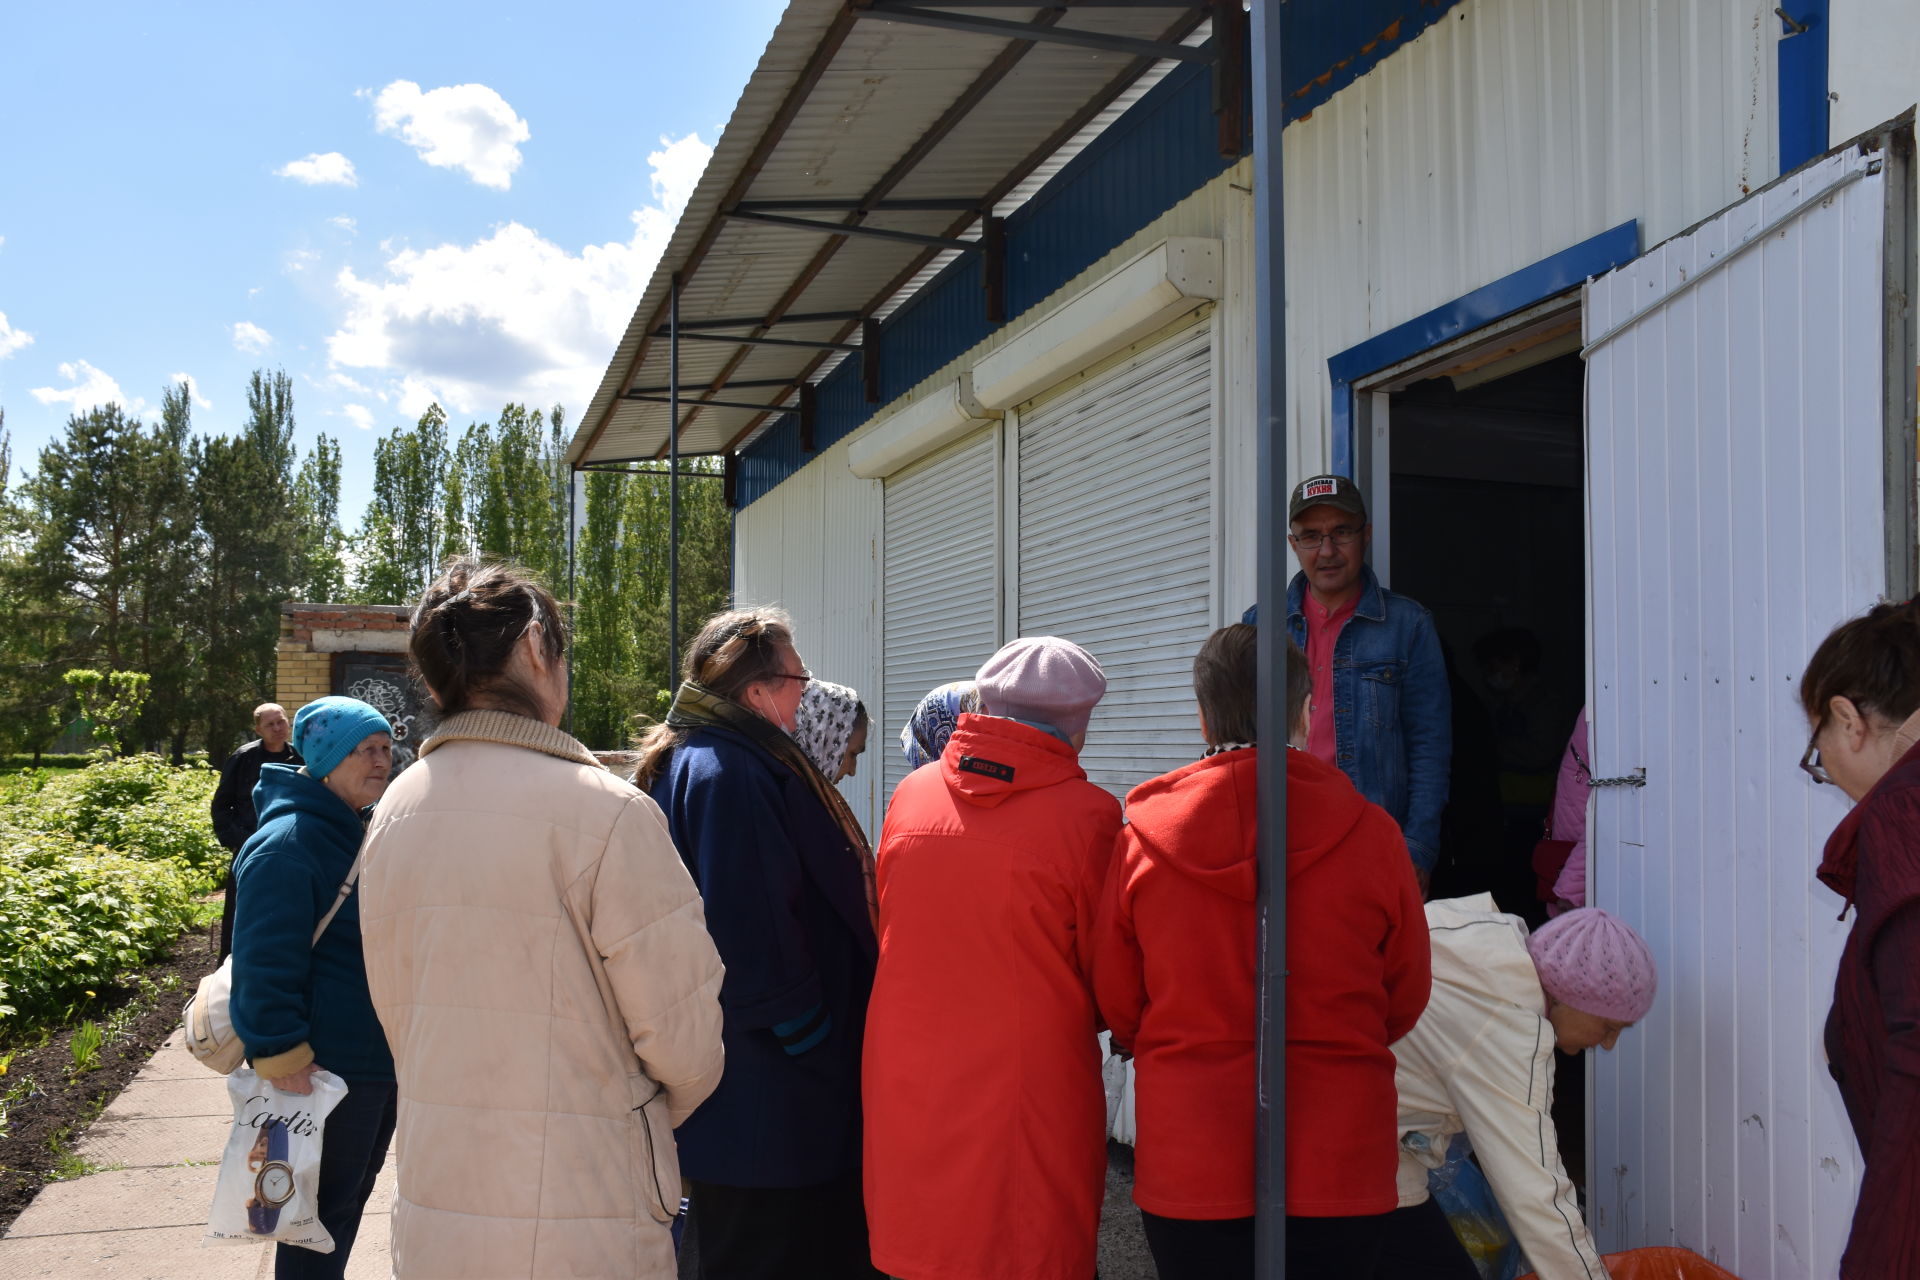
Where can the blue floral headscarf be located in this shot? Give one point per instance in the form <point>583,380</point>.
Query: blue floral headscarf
<point>925,734</point>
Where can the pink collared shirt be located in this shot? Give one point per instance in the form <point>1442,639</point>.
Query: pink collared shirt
<point>1323,632</point>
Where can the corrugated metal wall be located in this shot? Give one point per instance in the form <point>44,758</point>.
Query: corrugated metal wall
<point>1506,132</point>
<point>816,553</point>
<point>1717,1126</point>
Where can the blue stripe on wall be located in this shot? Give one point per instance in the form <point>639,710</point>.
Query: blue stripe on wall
<point>1329,46</point>
<point>1804,106</point>
<point>1156,155</point>
<point>1536,283</point>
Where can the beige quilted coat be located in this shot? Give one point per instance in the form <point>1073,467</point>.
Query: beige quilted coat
<point>539,958</point>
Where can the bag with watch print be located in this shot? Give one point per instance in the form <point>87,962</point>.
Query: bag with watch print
<point>270,1172</point>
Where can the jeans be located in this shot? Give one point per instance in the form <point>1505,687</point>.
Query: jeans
<point>353,1149</point>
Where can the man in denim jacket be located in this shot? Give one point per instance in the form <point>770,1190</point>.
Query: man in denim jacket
<point>1381,710</point>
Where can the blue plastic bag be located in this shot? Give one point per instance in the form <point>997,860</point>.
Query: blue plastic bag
<point>1462,1193</point>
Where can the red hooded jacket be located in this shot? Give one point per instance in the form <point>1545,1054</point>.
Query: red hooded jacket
<point>1873,1032</point>
<point>1175,977</point>
<point>986,1145</point>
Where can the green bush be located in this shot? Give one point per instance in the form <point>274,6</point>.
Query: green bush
<point>139,806</point>
<point>74,917</point>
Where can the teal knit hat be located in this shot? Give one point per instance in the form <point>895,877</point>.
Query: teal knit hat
<point>326,731</point>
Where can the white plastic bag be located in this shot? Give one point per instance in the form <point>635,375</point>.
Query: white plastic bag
<point>270,1173</point>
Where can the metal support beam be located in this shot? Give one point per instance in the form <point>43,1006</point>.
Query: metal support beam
<point>615,469</point>
<point>1055,4</point>
<point>707,404</point>
<point>1230,77</point>
<point>849,229</point>
<point>1270,595</point>
<point>1005,30</point>
<point>937,204</point>
<point>729,386</point>
<point>809,409</point>
<point>673,479</point>
<point>745,341</point>
<point>730,482</point>
<point>870,360</point>
<point>761,322</point>
<point>993,268</point>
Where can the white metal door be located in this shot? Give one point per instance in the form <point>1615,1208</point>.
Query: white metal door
<point>1117,545</point>
<point>1737,388</point>
<point>942,582</point>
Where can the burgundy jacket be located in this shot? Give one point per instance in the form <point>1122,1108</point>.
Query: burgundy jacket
<point>1873,1032</point>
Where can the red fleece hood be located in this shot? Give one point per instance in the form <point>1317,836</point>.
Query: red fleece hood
<point>988,759</point>
<point>1200,820</point>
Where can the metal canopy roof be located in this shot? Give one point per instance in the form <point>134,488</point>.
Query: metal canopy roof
<point>873,136</point>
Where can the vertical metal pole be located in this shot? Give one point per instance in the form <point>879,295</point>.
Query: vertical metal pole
<point>573,590</point>
<point>673,481</point>
<point>1270,593</point>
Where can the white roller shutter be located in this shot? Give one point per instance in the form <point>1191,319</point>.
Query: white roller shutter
<point>1117,545</point>
<point>942,593</point>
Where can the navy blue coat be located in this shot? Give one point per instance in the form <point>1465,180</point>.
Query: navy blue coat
<point>787,909</point>
<point>287,990</point>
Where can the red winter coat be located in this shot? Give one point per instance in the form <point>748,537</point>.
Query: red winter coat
<point>985,1115</point>
<point>1873,1031</point>
<point>1176,982</point>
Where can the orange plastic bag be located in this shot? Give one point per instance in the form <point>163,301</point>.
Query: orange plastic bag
<point>1661,1264</point>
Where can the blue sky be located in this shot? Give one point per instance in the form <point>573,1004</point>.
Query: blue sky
<point>396,203</point>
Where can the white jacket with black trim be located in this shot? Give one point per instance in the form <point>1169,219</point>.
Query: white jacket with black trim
<point>1480,1061</point>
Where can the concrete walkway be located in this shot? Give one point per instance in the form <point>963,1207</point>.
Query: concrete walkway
<point>158,1148</point>
<point>141,1217</point>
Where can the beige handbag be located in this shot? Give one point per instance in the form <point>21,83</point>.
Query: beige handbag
<point>209,1023</point>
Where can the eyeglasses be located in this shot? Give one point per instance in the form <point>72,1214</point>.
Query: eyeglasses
<point>1810,762</point>
<point>1339,537</point>
<point>783,675</point>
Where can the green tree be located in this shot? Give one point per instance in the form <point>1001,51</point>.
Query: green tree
<point>323,550</point>
<point>165,628</point>
<point>401,538</point>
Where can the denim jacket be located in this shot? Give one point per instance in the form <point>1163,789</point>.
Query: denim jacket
<point>1392,713</point>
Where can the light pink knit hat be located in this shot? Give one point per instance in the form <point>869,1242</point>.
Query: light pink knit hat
<point>1043,678</point>
<point>1595,962</point>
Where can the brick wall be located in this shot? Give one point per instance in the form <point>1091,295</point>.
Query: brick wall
<point>310,634</point>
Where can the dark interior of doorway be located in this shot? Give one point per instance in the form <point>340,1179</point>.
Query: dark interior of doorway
<point>1489,533</point>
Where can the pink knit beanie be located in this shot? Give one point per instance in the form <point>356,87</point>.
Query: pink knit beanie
<point>1596,963</point>
<point>1043,678</point>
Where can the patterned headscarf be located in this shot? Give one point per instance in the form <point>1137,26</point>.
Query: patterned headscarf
<point>925,734</point>
<point>824,724</point>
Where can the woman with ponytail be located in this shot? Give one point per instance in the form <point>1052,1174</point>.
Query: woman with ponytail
<point>1861,695</point>
<point>787,876</point>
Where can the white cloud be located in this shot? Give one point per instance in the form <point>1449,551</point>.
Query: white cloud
<point>513,316</point>
<point>341,382</point>
<point>12,339</point>
<point>330,169</point>
<point>193,389</point>
<point>251,338</point>
<point>90,388</point>
<point>462,126</point>
<point>300,260</point>
<point>360,416</point>
<point>343,223</point>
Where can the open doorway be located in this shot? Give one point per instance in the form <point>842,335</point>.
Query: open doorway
<point>1485,479</point>
<point>1489,533</point>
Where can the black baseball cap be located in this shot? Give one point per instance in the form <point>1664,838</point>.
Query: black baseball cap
<point>1328,491</point>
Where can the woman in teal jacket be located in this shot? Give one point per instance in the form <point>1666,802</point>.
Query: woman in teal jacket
<point>302,1006</point>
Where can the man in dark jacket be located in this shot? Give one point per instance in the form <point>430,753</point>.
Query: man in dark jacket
<point>233,816</point>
